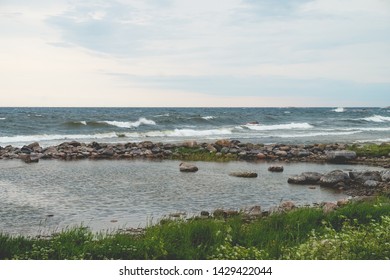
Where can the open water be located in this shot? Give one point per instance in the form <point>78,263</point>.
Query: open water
<point>50,126</point>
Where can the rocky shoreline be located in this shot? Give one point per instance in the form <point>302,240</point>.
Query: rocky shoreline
<point>221,149</point>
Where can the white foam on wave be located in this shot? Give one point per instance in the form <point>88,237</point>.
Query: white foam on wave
<point>140,121</point>
<point>54,137</point>
<point>292,125</point>
<point>339,110</point>
<point>183,133</point>
<point>316,134</point>
<point>376,118</point>
<point>2,118</point>
<point>208,117</point>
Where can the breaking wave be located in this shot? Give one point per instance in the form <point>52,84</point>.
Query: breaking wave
<point>339,110</point>
<point>292,125</point>
<point>120,124</point>
<point>377,118</point>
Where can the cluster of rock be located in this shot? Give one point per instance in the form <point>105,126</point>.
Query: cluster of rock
<point>234,149</point>
<point>353,182</point>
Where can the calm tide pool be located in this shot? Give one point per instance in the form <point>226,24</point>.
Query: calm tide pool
<point>51,195</point>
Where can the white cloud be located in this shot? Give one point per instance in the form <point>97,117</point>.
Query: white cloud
<point>71,48</point>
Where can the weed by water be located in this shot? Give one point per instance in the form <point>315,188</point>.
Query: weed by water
<point>304,233</point>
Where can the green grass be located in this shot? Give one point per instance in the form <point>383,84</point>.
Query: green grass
<point>372,150</point>
<point>359,230</point>
<point>200,154</point>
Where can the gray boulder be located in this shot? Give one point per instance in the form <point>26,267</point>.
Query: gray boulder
<point>385,174</point>
<point>306,178</point>
<point>371,184</point>
<point>334,179</point>
<point>340,156</point>
<point>276,168</point>
<point>363,176</point>
<point>186,167</point>
<point>244,174</point>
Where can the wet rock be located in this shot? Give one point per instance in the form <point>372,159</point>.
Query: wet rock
<point>363,176</point>
<point>306,178</point>
<point>287,206</point>
<point>340,156</point>
<point>255,211</point>
<point>371,184</point>
<point>244,174</point>
<point>27,158</point>
<point>385,175</point>
<point>281,153</point>
<point>276,168</point>
<point>336,178</point>
<point>26,150</point>
<point>223,143</point>
<point>261,156</point>
<point>211,148</point>
<point>186,167</point>
<point>329,207</point>
<point>190,144</point>
<point>304,153</point>
<point>205,213</point>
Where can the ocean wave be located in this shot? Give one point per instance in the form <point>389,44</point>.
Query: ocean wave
<point>76,123</point>
<point>292,125</point>
<point>377,118</point>
<point>381,140</point>
<point>208,117</point>
<point>339,110</point>
<point>54,137</point>
<point>184,133</point>
<point>2,118</point>
<point>316,134</point>
<point>120,124</point>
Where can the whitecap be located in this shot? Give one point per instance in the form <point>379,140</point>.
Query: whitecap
<point>120,124</point>
<point>54,137</point>
<point>316,134</point>
<point>339,110</point>
<point>279,126</point>
<point>2,118</point>
<point>208,117</point>
<point>376,118</point>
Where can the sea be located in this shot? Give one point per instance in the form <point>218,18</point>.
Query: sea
<point>107,195</point>
<point>52,126</point>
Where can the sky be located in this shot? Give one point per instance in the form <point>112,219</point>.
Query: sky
<point>195,53</point>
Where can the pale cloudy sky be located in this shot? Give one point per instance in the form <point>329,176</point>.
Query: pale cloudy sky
<point>195,53</point>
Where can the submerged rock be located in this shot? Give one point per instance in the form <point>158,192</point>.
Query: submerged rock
<point>306,178</point>
<point>340,156</point>
<point>244,174</point>
<point>276,168</point>
<point>186,167</point>
<point>336,178</point>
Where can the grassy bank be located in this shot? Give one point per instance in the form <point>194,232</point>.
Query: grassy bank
<point>371,150</point>
<point>359,230</point>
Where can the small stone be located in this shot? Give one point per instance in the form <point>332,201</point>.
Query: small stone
<point>276,168</point>
<point>186,167</point>
<point>244,174</point>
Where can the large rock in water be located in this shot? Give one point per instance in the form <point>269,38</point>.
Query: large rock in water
<point>306,178</point>
<point>186,167</point>
<point>336,178</point>
<point>363,176</point>
<point>340,156</point>
<point>244,174</point>
<point>276,168</point>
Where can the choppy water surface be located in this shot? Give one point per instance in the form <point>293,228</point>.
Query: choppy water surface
<point>51,126</point>
<point>52,195</point>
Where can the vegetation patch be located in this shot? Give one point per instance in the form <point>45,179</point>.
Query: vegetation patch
<point>372,150</point>
<point>359,230</point>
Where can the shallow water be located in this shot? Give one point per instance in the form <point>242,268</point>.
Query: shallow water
<point>51,195</point>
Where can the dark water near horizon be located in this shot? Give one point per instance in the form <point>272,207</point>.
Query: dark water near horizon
<point>51,126</point>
